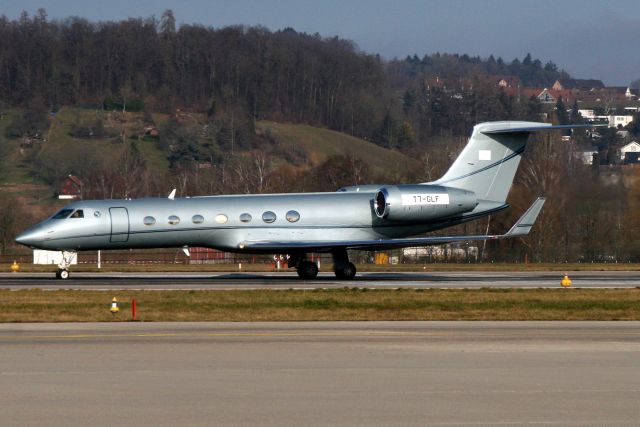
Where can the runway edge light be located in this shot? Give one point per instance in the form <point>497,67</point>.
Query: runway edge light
<point>114,306</point>
<point>565,282</point>
<point>15,267</point>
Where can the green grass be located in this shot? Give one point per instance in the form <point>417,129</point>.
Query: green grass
<point>320,143</point>
<point>317,305</point>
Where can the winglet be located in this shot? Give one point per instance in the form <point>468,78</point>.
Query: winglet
<point>172,195</point>
<point>523,226</point>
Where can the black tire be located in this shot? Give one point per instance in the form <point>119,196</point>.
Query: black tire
<point>347,272</point>
<point>307,270</point>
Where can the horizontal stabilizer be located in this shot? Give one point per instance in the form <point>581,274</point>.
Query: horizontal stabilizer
<point>541,126</point>
<point>521,228</point>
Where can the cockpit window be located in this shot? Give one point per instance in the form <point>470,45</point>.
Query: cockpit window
<point>77,214</point>
<point>62,214</point>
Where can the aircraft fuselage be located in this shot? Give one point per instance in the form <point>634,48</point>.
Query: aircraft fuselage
<point>225,222</point>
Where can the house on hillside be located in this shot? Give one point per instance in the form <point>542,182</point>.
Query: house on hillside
<point>583,85</point>
<point>619,121</point>
<point>508,81</point>
<point>613,93</point>
<point>70,188</point>
<point>546,97</point>
<point>586,154</point>
<point>632,94</point>
<point>549,96</point>
<point>630,152</point>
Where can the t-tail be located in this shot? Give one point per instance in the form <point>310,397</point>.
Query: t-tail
<point>488,163</point>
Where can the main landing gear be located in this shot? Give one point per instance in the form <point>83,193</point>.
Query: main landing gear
<point>308,270</point>
<point>343,269</point>
<point>68,257</point>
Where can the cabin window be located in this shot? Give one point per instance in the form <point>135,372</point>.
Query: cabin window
<point>268,217</point>
<point>77,214</point>
<point>293,216</point>
<point>221,219</point>
<point>197,219</point>
<point>62,214</point>
<point>149,220</point>
<point>245,217</point>
<point>174,220</point>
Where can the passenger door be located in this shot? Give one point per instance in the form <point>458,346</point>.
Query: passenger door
<point>119,224</point>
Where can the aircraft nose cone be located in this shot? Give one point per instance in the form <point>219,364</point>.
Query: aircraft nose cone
<point>30,237</point>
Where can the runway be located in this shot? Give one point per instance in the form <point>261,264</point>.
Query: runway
<point>289,280</point>
<point>319,373</point>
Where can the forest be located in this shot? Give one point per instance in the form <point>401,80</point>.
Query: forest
<point>232,79</point>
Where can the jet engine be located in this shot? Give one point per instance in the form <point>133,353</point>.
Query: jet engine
<point>420,203</point>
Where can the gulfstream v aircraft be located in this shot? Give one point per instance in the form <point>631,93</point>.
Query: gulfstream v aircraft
<point>371,217</point>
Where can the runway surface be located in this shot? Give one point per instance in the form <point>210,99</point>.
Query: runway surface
<point>321,373</point>
<point>289,280</point>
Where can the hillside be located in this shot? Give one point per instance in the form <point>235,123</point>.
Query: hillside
<point>31,168</point>
<point>317,144</point>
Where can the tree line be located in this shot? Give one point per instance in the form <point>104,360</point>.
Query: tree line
<point>248,73</point>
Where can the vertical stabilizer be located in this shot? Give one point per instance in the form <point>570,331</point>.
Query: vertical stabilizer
<point>488,163</point>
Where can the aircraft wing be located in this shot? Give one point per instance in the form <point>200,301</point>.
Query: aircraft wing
<point>522,227</point>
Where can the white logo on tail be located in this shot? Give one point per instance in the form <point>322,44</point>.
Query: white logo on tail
<point>484,155</point>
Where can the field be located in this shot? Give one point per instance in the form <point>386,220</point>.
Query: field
<point>323,305</point>
<point>317,144</point>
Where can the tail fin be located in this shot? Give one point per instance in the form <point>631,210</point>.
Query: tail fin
<point>488,164</point>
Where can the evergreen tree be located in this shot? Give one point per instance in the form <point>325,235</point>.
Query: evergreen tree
<point>561,112</point>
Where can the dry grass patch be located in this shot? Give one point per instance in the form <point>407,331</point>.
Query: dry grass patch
<point>334,304</point>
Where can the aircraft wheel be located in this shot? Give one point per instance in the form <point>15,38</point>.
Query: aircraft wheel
<point>347,272</point>
<point>307,270</point>
<point>62,273</point>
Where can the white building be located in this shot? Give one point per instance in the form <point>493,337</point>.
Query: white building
<point>615,121</point>
<point>585,154</point>
<point>632,147</point>
<point>587,114</point>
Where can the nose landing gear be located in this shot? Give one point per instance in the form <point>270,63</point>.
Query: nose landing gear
<point>68,258</point>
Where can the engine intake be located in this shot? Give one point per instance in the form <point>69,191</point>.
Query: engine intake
<point>419,203</point>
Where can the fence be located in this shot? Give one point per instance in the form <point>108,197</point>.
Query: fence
<point>168,256</point>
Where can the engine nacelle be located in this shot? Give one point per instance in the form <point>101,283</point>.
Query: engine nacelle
<point>421,203</point>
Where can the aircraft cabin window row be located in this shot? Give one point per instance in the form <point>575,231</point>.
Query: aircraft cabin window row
<point>268,217</point>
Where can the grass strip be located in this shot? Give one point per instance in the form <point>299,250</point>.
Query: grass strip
<point>330,304</point>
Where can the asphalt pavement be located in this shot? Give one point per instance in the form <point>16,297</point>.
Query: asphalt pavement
<point>321,373</point>
<point>289,280</point>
